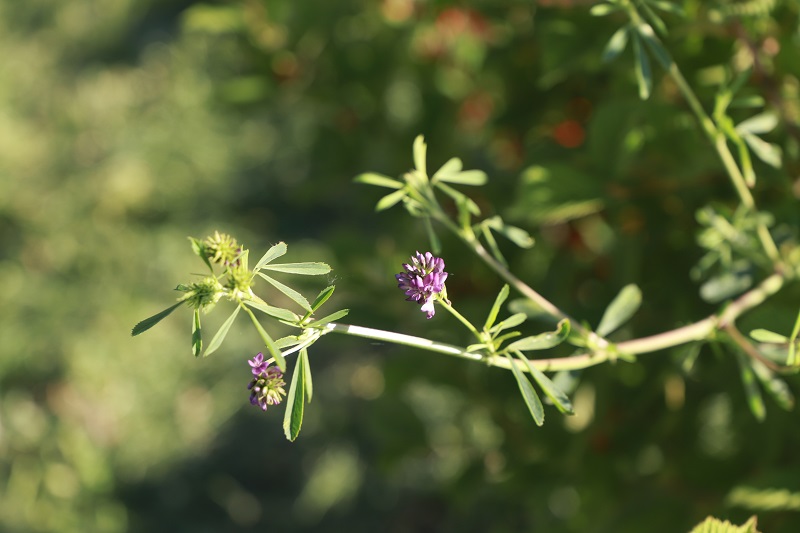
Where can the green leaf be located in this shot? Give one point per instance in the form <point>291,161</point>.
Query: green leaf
<point>567,380</point>
<point>620,310</point>
<point>792,358</point>
<point>753,393</point>
<point>197,334</point>
<point>744,158</point>
<point>379,180</point>
<point>654,19</point>
<point>518,236</point>
<point>288,291</point>
<point>714,525</point>
<point>390,199</point>
<point>476,347</point>
<point>330,318</point>
<point>668,7</point>
<point>498,302</point>
<point>725,286</point>
<point>659,52</point>
<point>322,297</point>
<point>467,177</point>
<point>601,10</point>
<point>767,152</point>
<point>216,341</point>
<point>528,393</point>
<point>295,402</point>
<point>748,102</point>
<point>644,76</point>
<point>762,123</point>
<point>774,385</point>
<point>304,269</point>
<point>199,249</point>
<point>285,342</point>
<point>309,386</point>
<point>510,322</point>
<point>273,253</point>
<point>616,44</point>
<point>765,335</point>
<point>503,338</point>
<point>420,149</point>
<point>556,395</point>
<point>543,340</point>
<point>452,166</point>
<point>148,323</point>
<point>276,312</point>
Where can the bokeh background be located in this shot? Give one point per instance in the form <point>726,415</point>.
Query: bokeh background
<point>126,126</point>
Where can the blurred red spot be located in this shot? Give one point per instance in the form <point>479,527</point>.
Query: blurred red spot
<point>569,134</point>
<point>454,21</point>
<point>475,111</point>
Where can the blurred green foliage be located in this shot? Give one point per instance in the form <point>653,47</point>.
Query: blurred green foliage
<point>126,126</point>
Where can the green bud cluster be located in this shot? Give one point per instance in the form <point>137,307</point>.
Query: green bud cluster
<point>204,294</point>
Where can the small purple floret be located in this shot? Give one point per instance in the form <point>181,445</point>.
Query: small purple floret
<point>258,364</point>
<point>423,278</point>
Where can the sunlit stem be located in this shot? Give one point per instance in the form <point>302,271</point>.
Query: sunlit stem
<point>469,238</point>
<point>747,347</point>
<point>699,331</point>
<point>460,318</point>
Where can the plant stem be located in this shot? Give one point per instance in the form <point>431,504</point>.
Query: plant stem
<point>523,288</point>
<point>460,317</point>
<point>691,333</point>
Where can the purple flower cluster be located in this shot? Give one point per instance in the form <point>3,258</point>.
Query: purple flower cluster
<point>423,278</point>
<point>266,387</point>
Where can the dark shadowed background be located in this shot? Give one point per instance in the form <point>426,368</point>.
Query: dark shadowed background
<point>127,126</point>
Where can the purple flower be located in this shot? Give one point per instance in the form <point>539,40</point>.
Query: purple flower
<point>266,387</point>
<point>423,278</point>
<point>258,364</point>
